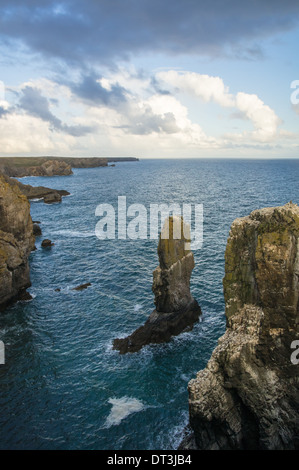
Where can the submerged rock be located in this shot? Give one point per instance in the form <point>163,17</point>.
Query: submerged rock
<point>176,309</point>
<point>82,286</point>
<point>248,395</point>
<point>16,243</point>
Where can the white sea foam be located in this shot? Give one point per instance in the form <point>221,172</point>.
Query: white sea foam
<point>185,377</point>
<point>73,234</point>
<point>122,408</point>
<point>137,307</point>
<point>177,433</point>
<point>29,300</point>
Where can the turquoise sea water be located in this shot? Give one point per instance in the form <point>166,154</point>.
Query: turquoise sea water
<point>63,387</point>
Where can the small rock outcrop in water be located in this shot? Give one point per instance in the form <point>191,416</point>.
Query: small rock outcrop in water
<point>82,286</point>
<point>248,395</point>
<point>47,243</point>
<point>16,243</point>
<point>176,309</point>
<point>37,231</point>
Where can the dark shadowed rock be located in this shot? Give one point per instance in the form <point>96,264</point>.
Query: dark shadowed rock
<point>176,310</point>
<point>248,395</point>
<point>47,243</point>
<point>24,296</point>
<point>37,231</point>
<point>82,286</point>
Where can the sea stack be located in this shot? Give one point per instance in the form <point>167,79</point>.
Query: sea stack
<point>248,395</point>
<point>176,310</point>
<point>16,243</point>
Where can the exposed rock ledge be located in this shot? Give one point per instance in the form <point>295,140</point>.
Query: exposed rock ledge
<point>247,397</point>
<point>38,192</point>
<point>16,243</point>
<point>176,309</point>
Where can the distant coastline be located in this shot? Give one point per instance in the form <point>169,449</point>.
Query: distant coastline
<point>19,167</point>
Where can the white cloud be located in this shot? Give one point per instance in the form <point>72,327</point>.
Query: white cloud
<point>203,86</point>
<point>147,122</point>
<point>264,120</point>
<point>21,134</point>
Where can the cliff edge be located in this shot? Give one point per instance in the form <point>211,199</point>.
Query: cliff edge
<point>176,309</point>
<point>248,395</point>
<point>16,242</point>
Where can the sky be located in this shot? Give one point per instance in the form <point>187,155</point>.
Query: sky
<point>149,78</point>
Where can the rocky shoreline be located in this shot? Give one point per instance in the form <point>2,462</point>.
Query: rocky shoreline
<point>20,167</point>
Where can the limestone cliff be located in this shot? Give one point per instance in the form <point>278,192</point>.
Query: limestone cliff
<point>247,397</point>
<point>16,242</point>
<point>176,310</point>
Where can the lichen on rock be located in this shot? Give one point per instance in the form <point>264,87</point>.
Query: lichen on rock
<point>247,397</point>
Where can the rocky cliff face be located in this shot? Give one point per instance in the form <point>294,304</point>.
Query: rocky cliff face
<point>46,166</point>
<point>39,167</point>
<point>248,395</point>
<point>16,242</point>
<point>176,310</point>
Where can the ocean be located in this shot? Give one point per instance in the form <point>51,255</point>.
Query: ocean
<point>63,386</point>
